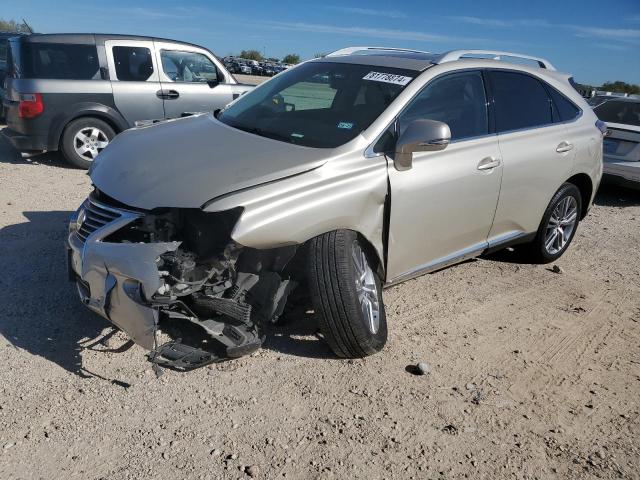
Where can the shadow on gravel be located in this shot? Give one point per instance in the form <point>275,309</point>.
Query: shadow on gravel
<point>299,337</point>
<point>9,155</point>
<point>615,196</point>
<point>40,311</point>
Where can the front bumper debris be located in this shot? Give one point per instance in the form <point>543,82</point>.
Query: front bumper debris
<point>137,284</point>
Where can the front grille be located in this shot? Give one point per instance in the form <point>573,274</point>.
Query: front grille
<point>97,215</point>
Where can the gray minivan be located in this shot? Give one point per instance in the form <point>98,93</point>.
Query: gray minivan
<point>75,92</point>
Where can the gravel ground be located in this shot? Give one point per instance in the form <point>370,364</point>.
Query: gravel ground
<point>533,374</point>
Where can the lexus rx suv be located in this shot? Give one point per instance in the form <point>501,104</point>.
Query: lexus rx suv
<point>337,178</point>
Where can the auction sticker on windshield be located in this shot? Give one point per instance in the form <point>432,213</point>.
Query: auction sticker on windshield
<point>387,78</point>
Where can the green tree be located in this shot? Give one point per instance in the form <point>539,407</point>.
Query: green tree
<point>13,26</point>
<point>319,55</point>
<point>620,87</point>
<point>291,58</point>
<point>251,55</point>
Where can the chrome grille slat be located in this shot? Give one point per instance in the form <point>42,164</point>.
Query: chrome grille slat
<point>97,216</point>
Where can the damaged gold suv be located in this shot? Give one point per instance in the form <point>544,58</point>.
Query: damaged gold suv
<point>340,176</point>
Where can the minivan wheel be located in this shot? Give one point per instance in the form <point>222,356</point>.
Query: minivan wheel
<point>83,139</point>
<point>347,294</point>
<point>558,225</point>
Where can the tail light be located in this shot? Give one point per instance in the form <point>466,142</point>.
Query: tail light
<point>30,105</point>
<point>602,127</point>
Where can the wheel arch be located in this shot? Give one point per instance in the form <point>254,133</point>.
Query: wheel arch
<point>585,185</point>
<point>101,112</point>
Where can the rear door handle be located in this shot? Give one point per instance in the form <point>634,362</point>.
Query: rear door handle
<point>167,94</point>
<point>564,147</point>
<point>488,163</point>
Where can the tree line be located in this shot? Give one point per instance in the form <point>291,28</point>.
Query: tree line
<point>291,58</point>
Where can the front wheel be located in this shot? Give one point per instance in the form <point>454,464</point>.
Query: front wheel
<point>347,294</point>
<point>558,225</point>
<point>83,139</point>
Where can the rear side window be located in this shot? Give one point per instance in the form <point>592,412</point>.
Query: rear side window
<point>133,64</point>
<point>457,99</point>
<point>521,101</point>
<point>59,61</point>
<point>563,109</point>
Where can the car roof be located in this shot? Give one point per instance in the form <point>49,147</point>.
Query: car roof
<point>611,98</point>
<point>406,60</point>
<point>98,38</point>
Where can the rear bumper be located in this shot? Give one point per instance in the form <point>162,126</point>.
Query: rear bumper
<point>25,143</point>
<point>621,172</point>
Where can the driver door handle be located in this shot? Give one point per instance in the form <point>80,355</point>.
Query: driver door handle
<point>167,94</point>
<point>488,163</point>
<point>564,147</point>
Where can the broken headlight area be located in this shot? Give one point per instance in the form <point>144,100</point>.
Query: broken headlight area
<point>214,295</point>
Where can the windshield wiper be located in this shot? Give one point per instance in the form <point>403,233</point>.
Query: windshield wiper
<point>264,133</point>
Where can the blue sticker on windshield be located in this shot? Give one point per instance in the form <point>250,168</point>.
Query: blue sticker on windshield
<point>345,125</point>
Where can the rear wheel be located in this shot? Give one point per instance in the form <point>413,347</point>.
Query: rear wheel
<point>347,294</point>
<point>83,139</point>
<point>558,225</point>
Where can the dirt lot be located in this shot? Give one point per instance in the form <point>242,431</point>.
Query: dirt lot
<point>534,374</point>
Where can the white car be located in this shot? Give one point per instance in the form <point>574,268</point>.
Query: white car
<point>622,143</point>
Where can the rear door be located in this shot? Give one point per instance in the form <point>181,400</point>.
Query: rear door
<point>192,80</point>
<point>538,154</point>
<point>134,79</point>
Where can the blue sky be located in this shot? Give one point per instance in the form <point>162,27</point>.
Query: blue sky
<point>593,42</point>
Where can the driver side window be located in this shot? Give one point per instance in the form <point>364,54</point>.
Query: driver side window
<point>457,99</point>
<point>189,67</point>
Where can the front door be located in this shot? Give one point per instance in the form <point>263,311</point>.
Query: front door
<point>443,207</point>
<point>191,81</point>
<point>134,80</point>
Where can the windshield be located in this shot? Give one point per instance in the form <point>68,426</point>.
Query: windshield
<point>316,104</point>
<point>617,111</point>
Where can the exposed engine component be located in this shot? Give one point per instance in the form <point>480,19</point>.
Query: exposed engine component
<point>213,296</point>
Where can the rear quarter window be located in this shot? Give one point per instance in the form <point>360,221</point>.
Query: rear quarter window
<point>563,109</point>
<point>59,61</point>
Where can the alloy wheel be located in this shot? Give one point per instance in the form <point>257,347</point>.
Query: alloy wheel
<point>90,141</point>
<point>561,225</point>
<point>366,289</point>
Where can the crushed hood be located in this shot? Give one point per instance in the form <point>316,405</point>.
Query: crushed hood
<point>186,162</point>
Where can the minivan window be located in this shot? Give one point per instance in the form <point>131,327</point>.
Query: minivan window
<point>318,104</point>
<point>59,61</point>
<point>521,101</point>
<point>133,64</point>
<point>456,99</point>
<point>188,67</point>
<point>563,109</point>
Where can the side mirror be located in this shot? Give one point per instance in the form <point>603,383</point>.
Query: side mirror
<point>420,136</point>
<point>213,83</point>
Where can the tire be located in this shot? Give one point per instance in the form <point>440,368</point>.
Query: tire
<point>89,134</point>
<point>540,251</point>
<point>335,258</point>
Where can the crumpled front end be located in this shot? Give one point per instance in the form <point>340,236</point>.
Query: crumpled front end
<point>143,270</point>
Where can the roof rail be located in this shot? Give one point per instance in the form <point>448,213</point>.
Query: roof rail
<point>454,55</point>
<point>352,50</point>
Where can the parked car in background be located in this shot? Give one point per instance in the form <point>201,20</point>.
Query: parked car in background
<point>361,169</point>
<point>4,44</point>
<point>75,92</point>
<point>622,143</point>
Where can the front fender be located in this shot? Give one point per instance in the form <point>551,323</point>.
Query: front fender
<point>346,193</point>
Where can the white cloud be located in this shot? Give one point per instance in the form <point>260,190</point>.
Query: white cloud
<point>370,11</point>
<point>369,32</point>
